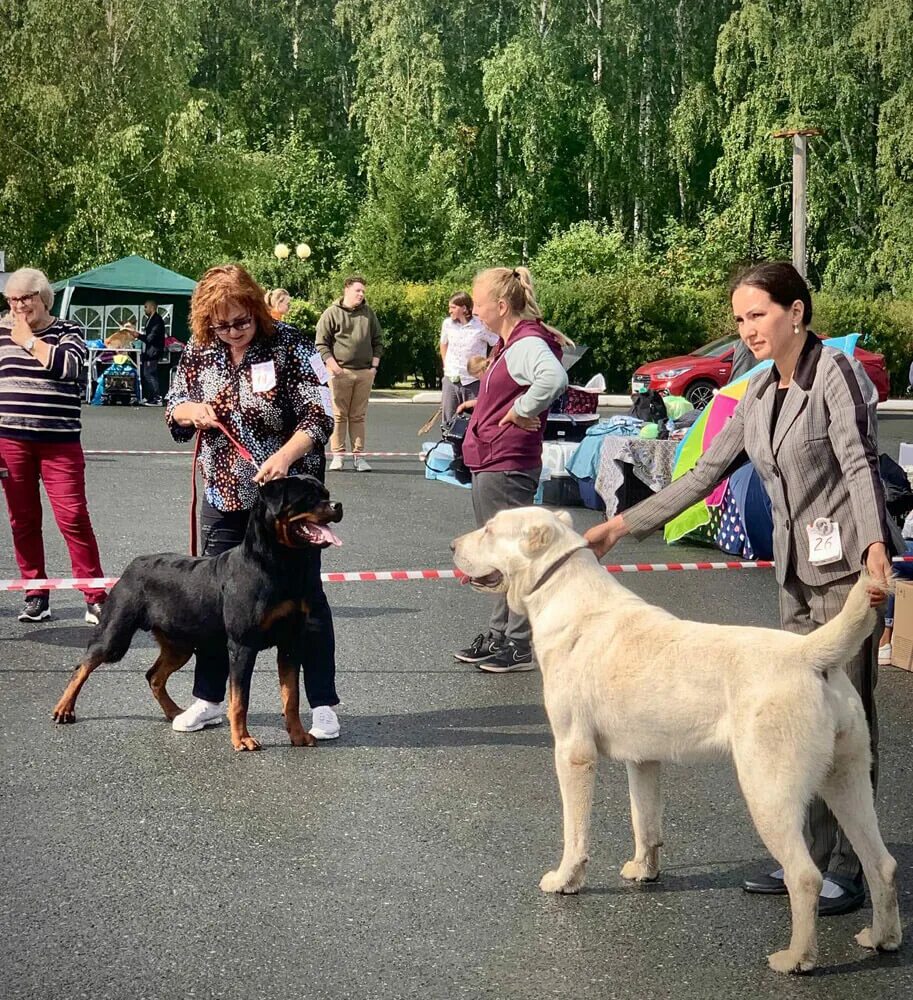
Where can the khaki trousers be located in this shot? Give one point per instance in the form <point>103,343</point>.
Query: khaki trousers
<point>351,391</point>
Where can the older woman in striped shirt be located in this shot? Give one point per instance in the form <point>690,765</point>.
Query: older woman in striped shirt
<point>41,359</point>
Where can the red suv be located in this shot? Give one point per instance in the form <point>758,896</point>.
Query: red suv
<point>695,376</point>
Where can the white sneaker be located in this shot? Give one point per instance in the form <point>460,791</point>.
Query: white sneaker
<point>200,714</point>
<point>337,464</point>
<point>884,654</point>
<point>361,465</point>
<point>324,723</point>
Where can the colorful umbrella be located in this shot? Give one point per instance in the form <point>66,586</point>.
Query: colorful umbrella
<point>706,428</point>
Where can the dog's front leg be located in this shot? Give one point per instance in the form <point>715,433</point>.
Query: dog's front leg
<point>575,762</point>
<point>646,819</point>
<point>288,685</point>
<point>241,661</point>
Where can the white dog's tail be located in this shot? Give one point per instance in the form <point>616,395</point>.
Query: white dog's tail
<point>834,643</point>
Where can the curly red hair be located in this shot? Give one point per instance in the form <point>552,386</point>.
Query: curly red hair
<point>219,285</point>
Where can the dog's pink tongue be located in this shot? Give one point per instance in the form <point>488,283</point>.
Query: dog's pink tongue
<point>326,535</point>
<point>464,580</point>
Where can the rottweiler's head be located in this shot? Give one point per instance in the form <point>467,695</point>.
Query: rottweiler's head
<point>300,510</point>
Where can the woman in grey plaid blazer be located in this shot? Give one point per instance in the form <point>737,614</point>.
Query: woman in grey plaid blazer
<point>808,427</point>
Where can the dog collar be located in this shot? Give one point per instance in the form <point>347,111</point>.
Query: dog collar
<point>556,565</point>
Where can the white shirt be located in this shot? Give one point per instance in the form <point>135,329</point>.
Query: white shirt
<point>465,341</point>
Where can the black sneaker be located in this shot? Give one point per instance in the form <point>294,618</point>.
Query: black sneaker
<point>511,658</point>
<point>483,647</point>
<point>36,609</point>
<point>93,612</point>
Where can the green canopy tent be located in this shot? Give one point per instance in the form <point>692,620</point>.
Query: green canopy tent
<point>103,299</point>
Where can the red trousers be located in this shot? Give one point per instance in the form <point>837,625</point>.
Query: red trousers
<point>61,467</point>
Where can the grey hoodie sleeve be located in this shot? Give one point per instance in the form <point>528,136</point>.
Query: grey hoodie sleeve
<point>530,362</point>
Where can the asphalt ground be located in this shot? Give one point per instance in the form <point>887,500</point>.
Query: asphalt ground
<point>403,860</point>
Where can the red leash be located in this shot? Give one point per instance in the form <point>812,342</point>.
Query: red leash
<point>239,448</point>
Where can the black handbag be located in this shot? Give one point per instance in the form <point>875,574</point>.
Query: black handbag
<point>453,434</point>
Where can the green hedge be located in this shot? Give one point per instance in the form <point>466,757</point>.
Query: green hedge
<point>624,320</point>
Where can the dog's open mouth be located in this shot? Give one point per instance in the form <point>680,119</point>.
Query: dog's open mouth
<point>307,532</point>
<point>490,581</point>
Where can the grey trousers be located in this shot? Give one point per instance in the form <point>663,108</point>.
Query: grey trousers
<point>454,393</point>
<point>804,608</point>
<point>491,492</point>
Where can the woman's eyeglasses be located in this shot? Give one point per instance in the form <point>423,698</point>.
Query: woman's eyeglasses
<point>20,299</point>
<point>241,325</point>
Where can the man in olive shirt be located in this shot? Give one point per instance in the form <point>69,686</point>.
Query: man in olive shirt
<point>350,343</point>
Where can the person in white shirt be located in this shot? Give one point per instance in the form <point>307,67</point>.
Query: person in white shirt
<point>463,336</point>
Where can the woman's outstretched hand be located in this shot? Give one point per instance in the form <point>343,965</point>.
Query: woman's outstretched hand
<point>603,537</point>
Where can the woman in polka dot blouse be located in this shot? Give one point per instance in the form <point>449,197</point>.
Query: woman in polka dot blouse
<point>264,382</point>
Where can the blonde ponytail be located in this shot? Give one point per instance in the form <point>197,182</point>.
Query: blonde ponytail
<point>515,287</point>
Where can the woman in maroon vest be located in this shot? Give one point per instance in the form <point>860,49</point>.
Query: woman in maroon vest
<point>503,444</point>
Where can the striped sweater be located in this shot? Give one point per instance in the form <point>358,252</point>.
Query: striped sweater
<point>38,403</point>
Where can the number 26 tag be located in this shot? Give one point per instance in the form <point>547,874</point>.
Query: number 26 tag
<point>824,542</point>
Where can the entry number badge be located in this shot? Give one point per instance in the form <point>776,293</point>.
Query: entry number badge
<point>263,376</point>
<point>320,369</point>
<point>824,545</point>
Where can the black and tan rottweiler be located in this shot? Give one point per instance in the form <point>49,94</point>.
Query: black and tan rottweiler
<point>252,597</point>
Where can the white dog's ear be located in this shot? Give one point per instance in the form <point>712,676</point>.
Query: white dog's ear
<point>565,518</point>
<point>537,538</point>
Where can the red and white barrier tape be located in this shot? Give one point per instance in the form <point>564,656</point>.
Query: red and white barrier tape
<point>189,452</point>
<point>384,576</point>
<point>396,575</point>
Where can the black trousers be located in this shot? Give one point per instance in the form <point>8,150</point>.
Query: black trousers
<point>221,531</point>
<point>152,389</point>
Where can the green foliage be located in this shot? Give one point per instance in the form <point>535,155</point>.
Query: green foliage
<point>418,141</point>
<point>411,317</point>
<point>628,320</point>
<point>304,315</point>
<point>585,248</point>
<point>625,320</point>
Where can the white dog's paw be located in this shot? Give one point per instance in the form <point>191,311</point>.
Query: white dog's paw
<point>639,871</point>
<point>889,942</point>
<point>791,961</point>
<point>556,881</point>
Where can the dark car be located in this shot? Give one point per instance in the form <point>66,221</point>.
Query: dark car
<point>697,375</point>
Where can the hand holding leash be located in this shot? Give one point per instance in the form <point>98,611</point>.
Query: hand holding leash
<point>202,416</point>
<point>275,467</point>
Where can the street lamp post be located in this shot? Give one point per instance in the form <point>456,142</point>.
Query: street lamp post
<point>800,190</point>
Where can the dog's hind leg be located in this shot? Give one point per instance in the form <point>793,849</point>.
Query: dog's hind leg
<point>777,799</point>
<point>171,658</point>
<point>108,645</point>
<point>646,819</point>
<point>847,790</point>
<point>575,761</point>
<point>65,709</point>
<point>288,686</point>
<point>241,669</point>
